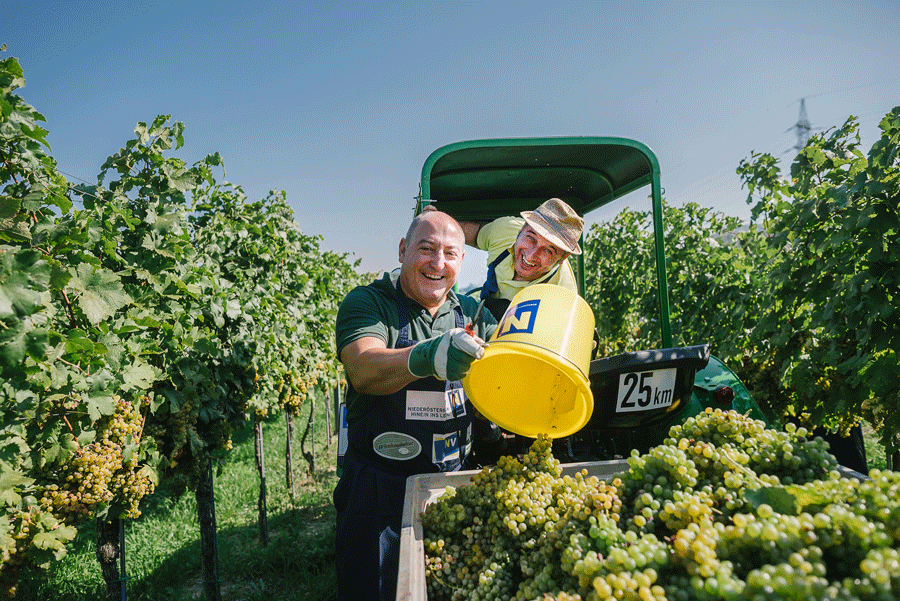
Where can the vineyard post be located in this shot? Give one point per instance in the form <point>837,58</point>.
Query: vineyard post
<point>328,423</point>
<point>893,454</point>
<point>337,407</point>
<point>209,544</point>
<point>289,451</point>
<point>261,468</point>
<point>310,456</point>
<point>312,427</point>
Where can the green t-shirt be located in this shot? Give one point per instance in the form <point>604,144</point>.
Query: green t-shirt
<point>372,311</point>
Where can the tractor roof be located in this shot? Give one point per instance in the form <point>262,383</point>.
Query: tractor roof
<point>480,180</point>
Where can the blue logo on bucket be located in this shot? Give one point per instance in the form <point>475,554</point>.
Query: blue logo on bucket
<point>520,319</point>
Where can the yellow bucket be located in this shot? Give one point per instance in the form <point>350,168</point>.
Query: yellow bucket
<point>533,378</point>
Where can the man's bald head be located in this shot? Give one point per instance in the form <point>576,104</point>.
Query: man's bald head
<point>431,255</point>
<point>433,217</point>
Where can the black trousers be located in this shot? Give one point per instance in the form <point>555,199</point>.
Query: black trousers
<point>369,505</point>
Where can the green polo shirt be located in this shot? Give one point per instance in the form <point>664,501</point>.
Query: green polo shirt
<point>372,311</point>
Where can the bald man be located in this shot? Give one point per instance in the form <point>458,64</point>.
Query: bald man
<point>404,348</point>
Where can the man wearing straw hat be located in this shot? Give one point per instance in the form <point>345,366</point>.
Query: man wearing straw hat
<point>405,345</point>
<point>526,250</point>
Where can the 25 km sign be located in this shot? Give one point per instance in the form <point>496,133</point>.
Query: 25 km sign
<point>642,391</point>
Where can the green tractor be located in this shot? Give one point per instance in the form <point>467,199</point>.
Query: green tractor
<point>637,395</point>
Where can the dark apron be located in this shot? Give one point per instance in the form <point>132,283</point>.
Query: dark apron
<point>398,437</point>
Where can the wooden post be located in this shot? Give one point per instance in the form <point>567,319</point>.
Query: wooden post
<point>261,468</point>
<point>289,452</point>
<point>310,456</point>
<point>893,461</point>
<point>337,408</point>
<point>312,426</point>
<point>209,544</point>
<point>327,424</point>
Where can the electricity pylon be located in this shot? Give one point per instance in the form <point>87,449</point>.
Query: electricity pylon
<point>803,128</point>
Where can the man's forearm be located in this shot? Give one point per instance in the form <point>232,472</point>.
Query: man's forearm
<point>470,231</point>
<point>377,370</point>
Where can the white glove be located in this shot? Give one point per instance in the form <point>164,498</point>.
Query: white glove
<point>446,357</point>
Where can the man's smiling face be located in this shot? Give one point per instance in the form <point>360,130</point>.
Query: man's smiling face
<point>431,257</point>
<point>533,255</point>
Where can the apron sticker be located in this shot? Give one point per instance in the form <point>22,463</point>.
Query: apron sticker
<point>435,405</point>
<point>456,398</point>
<point>445,447</point>
<point>396,445</point>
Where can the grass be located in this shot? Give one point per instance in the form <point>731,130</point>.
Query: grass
<point>162,547</point>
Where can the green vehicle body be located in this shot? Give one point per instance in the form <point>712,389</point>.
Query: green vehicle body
<point>480,180</point>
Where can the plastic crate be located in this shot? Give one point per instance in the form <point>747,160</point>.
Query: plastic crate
<point>424,489</point>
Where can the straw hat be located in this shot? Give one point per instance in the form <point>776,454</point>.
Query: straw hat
<point>558,223</point>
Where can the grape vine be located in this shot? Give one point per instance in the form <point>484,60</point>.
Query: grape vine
<point>143,320</point>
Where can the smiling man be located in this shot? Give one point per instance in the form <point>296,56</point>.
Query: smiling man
<point>526,250</point>
<point>404,348</point>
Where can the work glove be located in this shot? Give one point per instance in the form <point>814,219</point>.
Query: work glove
<point>446,357</point>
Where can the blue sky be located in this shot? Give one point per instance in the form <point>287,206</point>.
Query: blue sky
<point>339,104</point>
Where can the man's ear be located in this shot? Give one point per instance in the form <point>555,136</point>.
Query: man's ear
<point>402,248</point>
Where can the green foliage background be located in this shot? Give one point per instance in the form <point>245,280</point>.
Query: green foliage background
<point>138,331</point>
<point>802,302</point>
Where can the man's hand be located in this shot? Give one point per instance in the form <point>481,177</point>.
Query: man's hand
<point>447,357</point>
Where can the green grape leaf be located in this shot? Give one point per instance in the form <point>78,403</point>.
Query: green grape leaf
<point>100,405</point>
<point>9,206</point>
<point>233,309</point>
<point>150,473</point>
<point>156,401</point>
<point>197,443</point>
<point>54,542</point>
<point>12,346</point>
<point>86,437</point>
<point>9,482</point>
<point>101,292</point>
<point>15,228</point>
<point>59,277</point>
<point>179,178</point>
<point>51,453</point>
<point>140,375</point>
<point>68,443</point>
<point>881,373</point>
<point>777,497</point>
<point>788,500</point>
<point>22,276</point>
<point>6,541</point>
